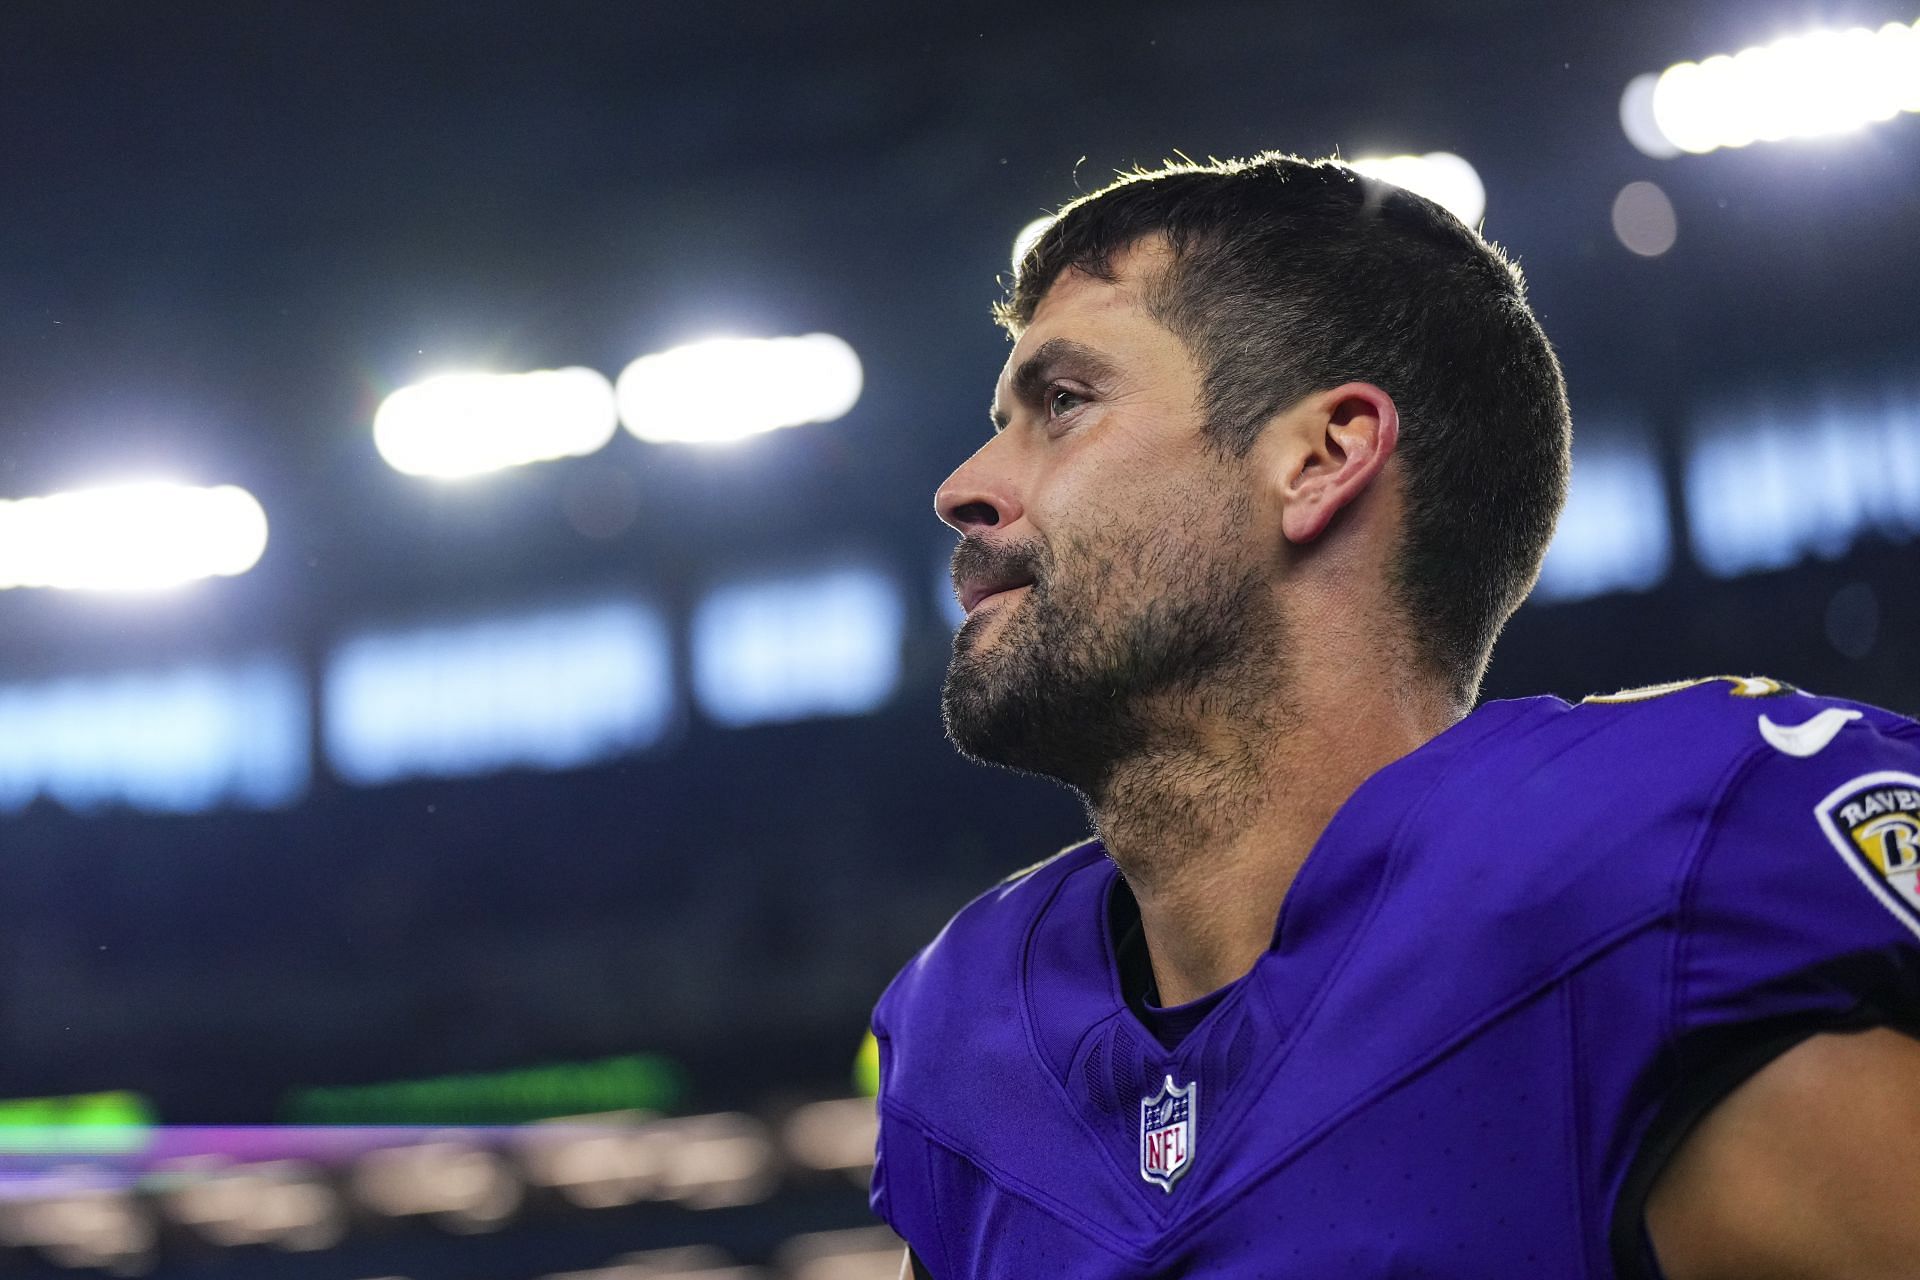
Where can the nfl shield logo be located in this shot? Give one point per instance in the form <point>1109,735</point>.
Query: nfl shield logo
<point>1167,1124</point>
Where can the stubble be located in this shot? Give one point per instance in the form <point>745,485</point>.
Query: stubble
<point>1123,650</point>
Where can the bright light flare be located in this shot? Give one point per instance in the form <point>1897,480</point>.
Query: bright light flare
<point>726,389</point>
<point>1029,236</point>
<point>1816,85</point>
<point>465,424</point>
<point>130,537</point>
<point>1441,176</point>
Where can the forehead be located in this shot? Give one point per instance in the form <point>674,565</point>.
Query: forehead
<point>1107,314</point>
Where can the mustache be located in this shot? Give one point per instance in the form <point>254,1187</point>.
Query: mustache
<point>975,557</point>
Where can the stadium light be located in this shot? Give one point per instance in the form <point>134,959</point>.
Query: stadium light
<point>178,741</point>
<point>1815,85</point>
<point>550,690</point>
<point>1771,482</point>
<point>465,424</point>
<point>1027,237</point>
<point>777,650</point>
<point>726,389</point>
<point>1616,531</point>
<point>1441,176</point>
<point>131,537</point>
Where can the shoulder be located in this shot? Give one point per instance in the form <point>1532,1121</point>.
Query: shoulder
<point>1740,715</point>
<point>1744,706</point>
<point>1776,833</point>
<point>1753,711</point>
<point>1795,903</point>
<point>975,959</point>
<point>1803,892</point>
<point>955,1038</point>
<point>1690,744</point>
<point>1757,753</point>
<point>1591,819</point>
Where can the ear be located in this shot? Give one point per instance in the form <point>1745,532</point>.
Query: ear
<point>1335,443</point>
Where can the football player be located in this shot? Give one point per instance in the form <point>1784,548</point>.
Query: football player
<point>1358,980</point>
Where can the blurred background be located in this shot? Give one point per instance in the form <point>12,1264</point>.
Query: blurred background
<point>465,775</point>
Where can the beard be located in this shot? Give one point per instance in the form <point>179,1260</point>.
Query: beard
<point>1112,653</point>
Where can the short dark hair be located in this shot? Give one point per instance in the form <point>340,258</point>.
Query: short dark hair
<point>1289,276</point>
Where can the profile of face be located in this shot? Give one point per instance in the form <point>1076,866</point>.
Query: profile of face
<point>1115,566</point>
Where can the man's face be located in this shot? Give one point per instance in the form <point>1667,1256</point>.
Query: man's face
<point>1143,558</point>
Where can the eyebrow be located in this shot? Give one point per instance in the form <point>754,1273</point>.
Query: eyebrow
<point>1031,376</point>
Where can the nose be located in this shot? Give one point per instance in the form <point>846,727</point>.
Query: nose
<point>977,496</point>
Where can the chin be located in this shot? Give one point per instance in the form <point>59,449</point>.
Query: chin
<point>1005,710</point>
<point>987,716</point>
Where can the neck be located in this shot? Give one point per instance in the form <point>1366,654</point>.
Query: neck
<point>1211,823</point>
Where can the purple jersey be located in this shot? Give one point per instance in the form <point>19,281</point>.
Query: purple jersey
<point>1518,964</point>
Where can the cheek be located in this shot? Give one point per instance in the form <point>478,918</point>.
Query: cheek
<point>1125,552</point>
<point>1139,525</point>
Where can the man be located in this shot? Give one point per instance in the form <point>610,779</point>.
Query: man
<point>1625,988</point>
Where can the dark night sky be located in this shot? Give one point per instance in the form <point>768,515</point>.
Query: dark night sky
<point>229,229</point>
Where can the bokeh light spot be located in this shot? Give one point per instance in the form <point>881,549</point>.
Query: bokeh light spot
<point>1644,220</point>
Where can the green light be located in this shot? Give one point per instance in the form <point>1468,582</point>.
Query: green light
<point>866,1067</point>
<point>637,1082</point>
<point>80,1124</point>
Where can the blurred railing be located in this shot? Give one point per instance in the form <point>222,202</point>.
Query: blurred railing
<point>289,1190</point>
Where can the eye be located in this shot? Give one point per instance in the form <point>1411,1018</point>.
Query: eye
<point>1062,401</point>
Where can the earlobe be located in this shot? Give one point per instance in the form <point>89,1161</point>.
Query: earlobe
<point>1341,439</point>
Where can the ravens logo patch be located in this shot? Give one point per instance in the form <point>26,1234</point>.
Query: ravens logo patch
<point>1874,824</point>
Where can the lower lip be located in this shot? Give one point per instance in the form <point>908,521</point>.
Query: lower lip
<point>984,601</point>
